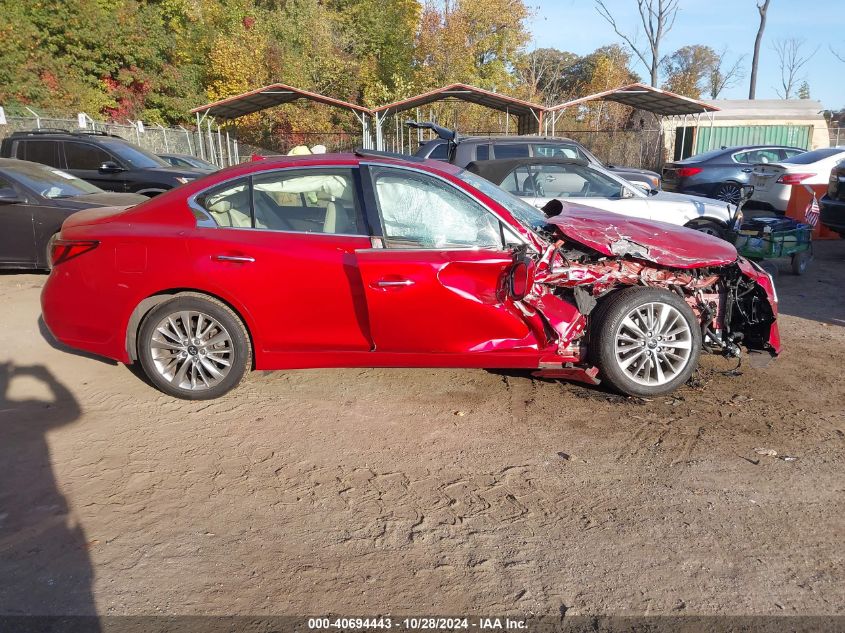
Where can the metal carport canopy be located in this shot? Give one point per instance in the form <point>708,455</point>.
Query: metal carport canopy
<point>643,97</point>
<point>268,97</point>
<point>275,95</point>
<point>530,115</point>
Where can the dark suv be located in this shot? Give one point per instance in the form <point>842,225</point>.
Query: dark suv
<point>104,160</point>
<point>833,203</point>
<point>473,148</point>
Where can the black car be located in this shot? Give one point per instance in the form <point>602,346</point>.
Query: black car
<point>34,201</point>
<point>474,148</point>
<point>833,202</point>
<point>191,162</point>
<point>721,173</point>
<point>104,160</point>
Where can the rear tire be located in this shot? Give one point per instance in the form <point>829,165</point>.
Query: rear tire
<point>645,341</point>
<point>194,347</point>
<point>729,192</point>
<point>800,261</point>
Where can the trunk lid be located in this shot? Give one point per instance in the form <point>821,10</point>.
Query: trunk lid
<point>765,175</point>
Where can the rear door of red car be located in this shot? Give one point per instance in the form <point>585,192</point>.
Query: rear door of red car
<point>432,278</point>
<point>283,242</point>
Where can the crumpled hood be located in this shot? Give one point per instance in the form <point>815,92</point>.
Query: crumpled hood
<point>617,235</point>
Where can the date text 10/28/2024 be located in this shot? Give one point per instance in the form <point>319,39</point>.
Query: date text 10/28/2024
<point>418,623</point>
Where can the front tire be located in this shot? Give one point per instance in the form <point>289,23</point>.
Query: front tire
<point>645,341</point>
<point>194,347</point>
<point>710,227</point>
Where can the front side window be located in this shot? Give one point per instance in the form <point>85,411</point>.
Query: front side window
<point>85,156</point>
<point>419,211</point>
<point>440,152</point>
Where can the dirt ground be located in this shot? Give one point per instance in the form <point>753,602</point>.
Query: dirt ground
<point>404,491</point>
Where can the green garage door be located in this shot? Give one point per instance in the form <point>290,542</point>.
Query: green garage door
<point>709,138</point>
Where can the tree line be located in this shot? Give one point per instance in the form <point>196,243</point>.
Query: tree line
<point>153,60</point>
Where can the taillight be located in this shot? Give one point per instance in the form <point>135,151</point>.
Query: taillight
<point>794,179</point>
<point>686,172</point>
<point>63,250</point>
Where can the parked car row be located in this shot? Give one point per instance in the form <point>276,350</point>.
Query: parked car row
<point>396,244</point>
<point>104,160</point>
<point>721,173</point>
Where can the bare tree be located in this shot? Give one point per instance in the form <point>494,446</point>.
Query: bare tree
<point>657,18</point>
<point>722,76</point>
<point>762,8</point>
<point>837,54</point>
<point>792,60</point>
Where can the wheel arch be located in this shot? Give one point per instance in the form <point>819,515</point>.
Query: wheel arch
<point>707,218</point>
<point>145,305</point>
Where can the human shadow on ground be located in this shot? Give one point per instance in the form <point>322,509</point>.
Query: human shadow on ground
<point>45,568</point>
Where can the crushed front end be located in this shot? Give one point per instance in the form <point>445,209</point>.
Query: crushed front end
<point>734,301</point>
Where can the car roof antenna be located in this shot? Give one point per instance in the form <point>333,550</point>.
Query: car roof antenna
<point>450,136</point>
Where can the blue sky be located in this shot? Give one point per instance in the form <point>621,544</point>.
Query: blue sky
<point>574,25</point>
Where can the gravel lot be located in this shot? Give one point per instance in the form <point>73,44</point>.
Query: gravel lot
<point>365,491</point>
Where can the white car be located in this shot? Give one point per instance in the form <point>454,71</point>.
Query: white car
<point>539,180</point>
<point>773,182</point>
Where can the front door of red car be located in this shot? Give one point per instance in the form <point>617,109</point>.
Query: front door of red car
<point>432,286</point>
<point>283,244</point>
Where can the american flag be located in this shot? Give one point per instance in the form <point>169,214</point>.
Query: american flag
<point>811,215</point>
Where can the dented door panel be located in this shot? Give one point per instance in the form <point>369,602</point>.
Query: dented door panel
<point>441,301</point>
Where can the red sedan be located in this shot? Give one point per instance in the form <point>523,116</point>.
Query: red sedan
<point>369,260</point>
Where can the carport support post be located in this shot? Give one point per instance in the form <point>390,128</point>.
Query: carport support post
<point>199,137</point>
<point>211,151</point>
<point>220,147</point>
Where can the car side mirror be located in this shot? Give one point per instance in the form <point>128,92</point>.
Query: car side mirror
<point>627,192</point>
<point>9,196</point>
<point>110,167</point>
<point>645,187</point>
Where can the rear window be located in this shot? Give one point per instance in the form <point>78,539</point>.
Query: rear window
<point>511,150</point>
<point>557,150</point>
<point>814,156</point>
<point>39,151</point>
<point>440,152</point>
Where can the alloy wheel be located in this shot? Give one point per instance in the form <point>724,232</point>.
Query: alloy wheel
<point>191,350</point>
<point>728,193</point>
<point>653,344</point>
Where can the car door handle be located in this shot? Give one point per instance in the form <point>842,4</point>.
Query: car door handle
<point>747,170</point>
<point>238,259</point>
<point>393,283</point>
